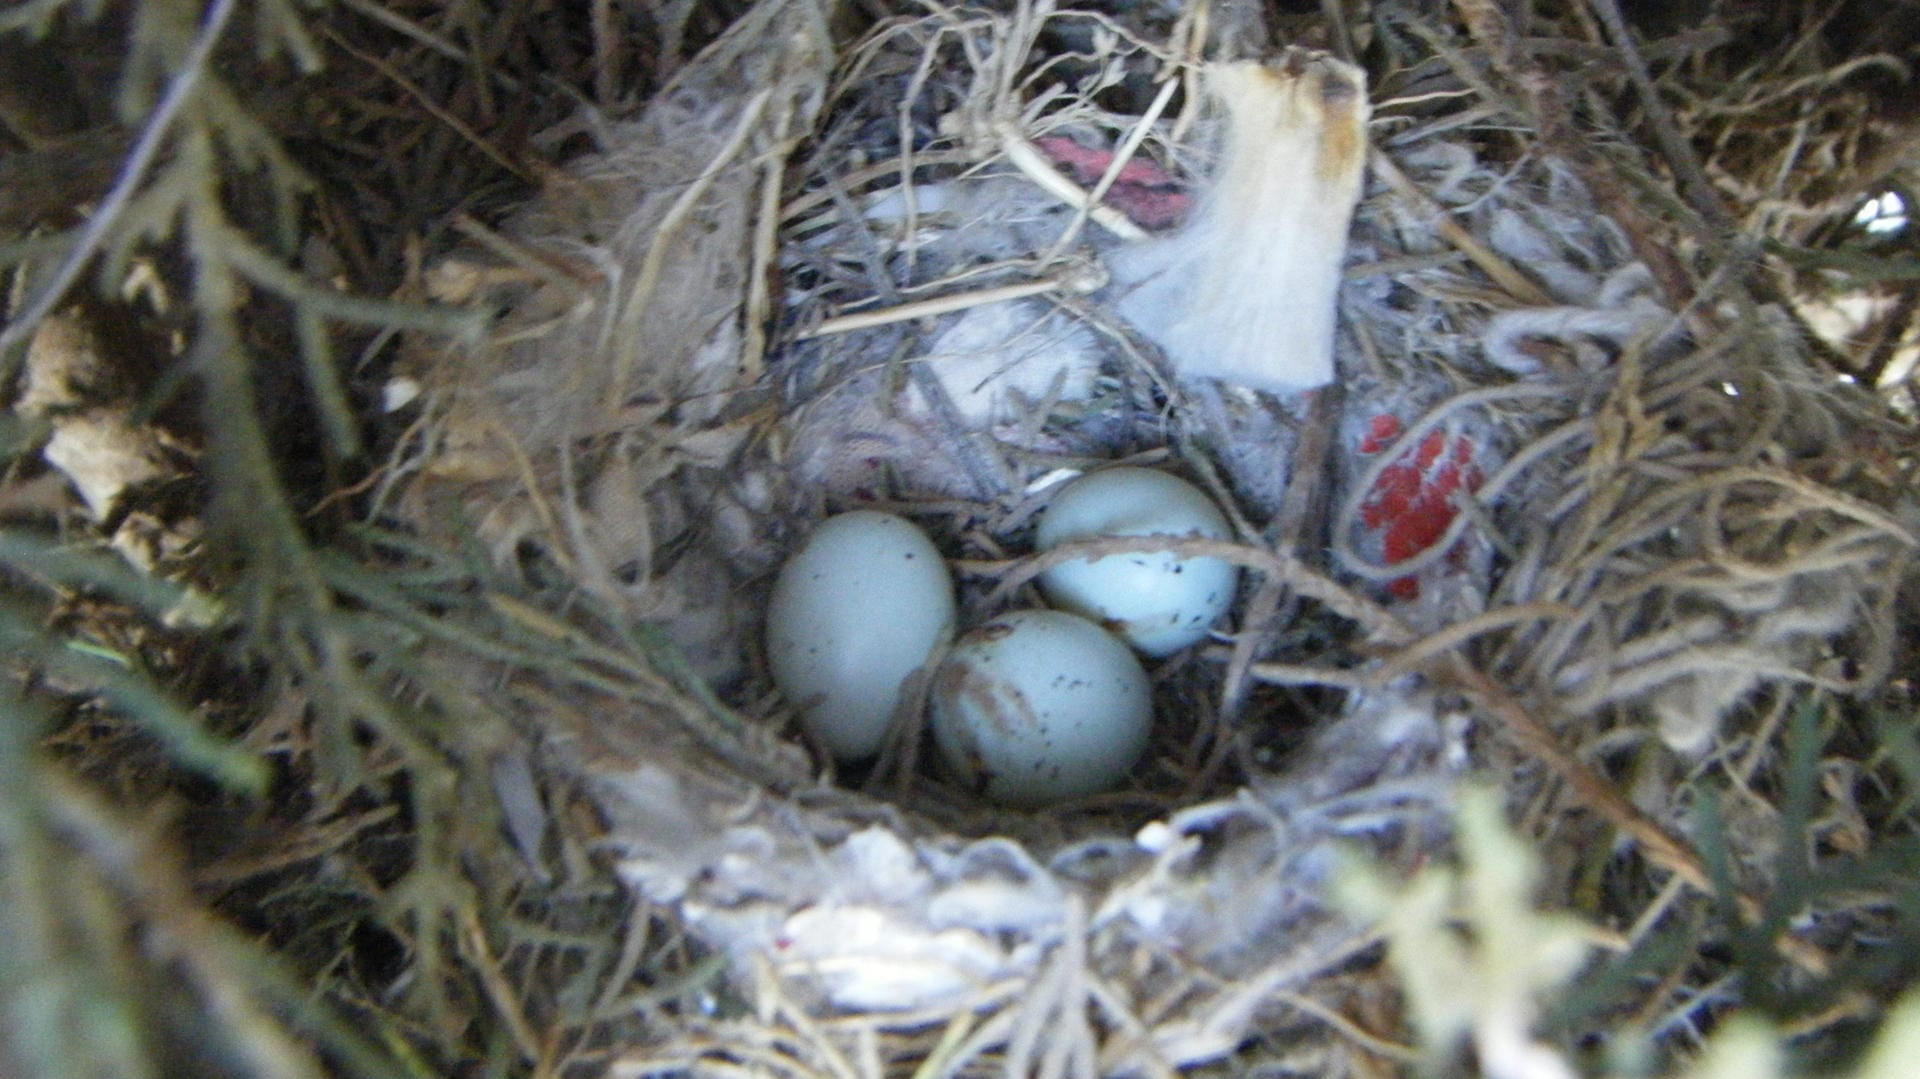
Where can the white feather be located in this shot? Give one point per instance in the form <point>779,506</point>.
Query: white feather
<point>1246,291</point>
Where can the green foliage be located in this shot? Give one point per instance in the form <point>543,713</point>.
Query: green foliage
<point>1473,952</point>
<point>394,932</point>
<point>96,911</point>
<point>1484,965</point>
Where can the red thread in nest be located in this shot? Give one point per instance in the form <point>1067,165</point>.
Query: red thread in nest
<point>1411,504</point>
<point>1144,191</point>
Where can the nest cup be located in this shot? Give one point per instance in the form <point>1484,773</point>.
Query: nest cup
<point>810,277</point>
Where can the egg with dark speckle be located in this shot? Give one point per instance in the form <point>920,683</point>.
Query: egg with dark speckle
<point>1037,707</point>
<point>1156,601</point>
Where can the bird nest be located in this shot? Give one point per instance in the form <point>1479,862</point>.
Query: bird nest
<point>813,276</point>
<point>1587,508</point>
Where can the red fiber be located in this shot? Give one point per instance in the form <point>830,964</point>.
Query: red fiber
<point>1411,503</point>
<point>1148,194</point>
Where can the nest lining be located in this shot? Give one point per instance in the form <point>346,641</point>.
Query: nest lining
<point>630,423</point>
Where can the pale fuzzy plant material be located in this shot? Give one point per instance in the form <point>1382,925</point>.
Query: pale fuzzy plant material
<point>1749,1047</point>
<point>1473,950</point>
<point>1744,1049</point>
<point>1477,955</point>
<point>1246,291</point>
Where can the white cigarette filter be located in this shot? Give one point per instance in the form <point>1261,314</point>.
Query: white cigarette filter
<point>1246,290</point>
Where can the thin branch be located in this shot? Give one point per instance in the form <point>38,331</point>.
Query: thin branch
<point>132,172</point>
<point>1686,165</point>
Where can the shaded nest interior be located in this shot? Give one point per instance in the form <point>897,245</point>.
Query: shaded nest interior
<point>1632,279</point>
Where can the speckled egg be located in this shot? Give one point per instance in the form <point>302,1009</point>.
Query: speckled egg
<point>1156,601</point>
<point>856,611</point>
<point>1040,706</point>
